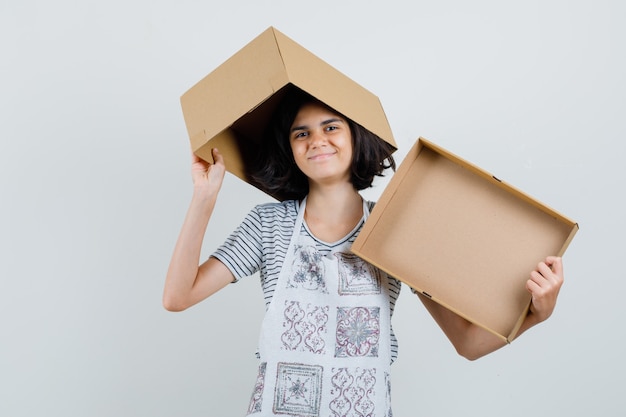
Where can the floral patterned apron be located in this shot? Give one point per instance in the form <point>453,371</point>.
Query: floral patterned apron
<point>325,339</point>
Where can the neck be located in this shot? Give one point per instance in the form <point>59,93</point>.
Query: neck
<point>331,212</point>
<point>333,199</point>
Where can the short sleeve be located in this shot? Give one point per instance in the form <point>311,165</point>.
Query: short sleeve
<point>242,252</point>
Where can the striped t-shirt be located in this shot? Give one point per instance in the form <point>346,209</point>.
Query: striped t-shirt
<point>260,244</point>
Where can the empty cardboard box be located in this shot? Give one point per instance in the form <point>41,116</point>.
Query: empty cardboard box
<point>462,237</point>
<point>230,107</point>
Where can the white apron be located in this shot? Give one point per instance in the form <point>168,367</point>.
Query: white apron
<point>325,339</point>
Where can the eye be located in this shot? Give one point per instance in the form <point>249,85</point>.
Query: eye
<point>331,128</point>
<point>300,135</point>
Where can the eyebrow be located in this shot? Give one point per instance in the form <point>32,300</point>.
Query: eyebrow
<point>324,123</point>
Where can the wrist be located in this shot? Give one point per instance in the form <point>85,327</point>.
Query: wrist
<point>204,194</point>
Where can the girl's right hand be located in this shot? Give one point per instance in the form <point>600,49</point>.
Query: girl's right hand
<point>187,283</point>
<point>208,176</point>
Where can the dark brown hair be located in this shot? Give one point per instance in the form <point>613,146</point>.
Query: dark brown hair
<point>276,171</point>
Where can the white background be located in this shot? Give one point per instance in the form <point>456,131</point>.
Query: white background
<point>94,185</point>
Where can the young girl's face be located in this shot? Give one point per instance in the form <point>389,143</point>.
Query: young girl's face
<point>321,143</point>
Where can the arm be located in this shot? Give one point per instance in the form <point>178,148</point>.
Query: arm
<point>472,341</point>
<point>187,283</point>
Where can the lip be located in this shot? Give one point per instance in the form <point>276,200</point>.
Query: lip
<point>321,156</point>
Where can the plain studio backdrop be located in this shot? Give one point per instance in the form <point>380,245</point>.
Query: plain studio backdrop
<point>94,185</point>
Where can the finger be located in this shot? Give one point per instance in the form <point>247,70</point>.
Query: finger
<point>537,277</point>
<point>556,264</point>
<point>537,293</point>
<point>539,287</point>
<point>542,300</point>
<point>217,156</point>
<point>533,287</point>
<point>544,270</point>
<point>552,270</point>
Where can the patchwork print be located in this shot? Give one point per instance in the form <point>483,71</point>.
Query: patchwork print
<point>298,389</point>
<point>306,327</point>
<point>357,277</point>
<point>358,331</point>
<point>307,269</point>
<point>257,394</point>
<point>353,392</point>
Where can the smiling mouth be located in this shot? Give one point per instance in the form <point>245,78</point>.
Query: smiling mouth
<point>321,156</point>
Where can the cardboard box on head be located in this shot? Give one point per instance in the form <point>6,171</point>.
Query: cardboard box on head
<point>229,108</point>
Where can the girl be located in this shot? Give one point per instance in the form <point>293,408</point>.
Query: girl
<point>326,341</point>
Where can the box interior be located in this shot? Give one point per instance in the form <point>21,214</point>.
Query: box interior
<point>468,241</point>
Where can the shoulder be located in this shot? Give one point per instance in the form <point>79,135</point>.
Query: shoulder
<point>278,208</point>
<point>278,212</point>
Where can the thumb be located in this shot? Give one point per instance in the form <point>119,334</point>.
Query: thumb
<point>218,159</point>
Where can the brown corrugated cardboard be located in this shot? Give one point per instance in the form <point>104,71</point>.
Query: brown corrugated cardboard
<point>443,226</point>
<point>462,237</point>
<point>229,108</point>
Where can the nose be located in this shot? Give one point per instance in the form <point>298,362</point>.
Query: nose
<point>316,138</point>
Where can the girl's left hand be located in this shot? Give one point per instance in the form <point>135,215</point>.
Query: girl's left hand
<point>544,285</point>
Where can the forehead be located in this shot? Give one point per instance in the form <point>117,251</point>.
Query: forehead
<point>315,110</point>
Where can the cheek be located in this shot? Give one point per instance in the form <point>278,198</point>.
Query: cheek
<point>298,149</point>
<point>349,146</point>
